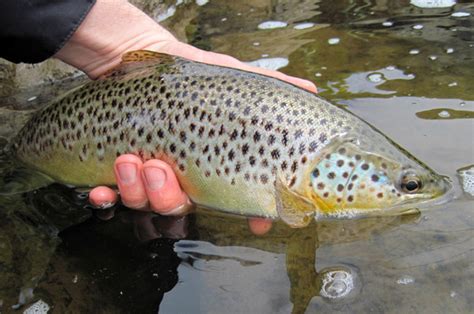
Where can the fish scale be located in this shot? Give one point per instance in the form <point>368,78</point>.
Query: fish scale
<point>229,134</point>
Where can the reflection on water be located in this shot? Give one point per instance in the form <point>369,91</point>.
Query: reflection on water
<point>406,68</point>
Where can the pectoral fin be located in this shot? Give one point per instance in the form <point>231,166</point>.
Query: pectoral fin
<point>292,208</point>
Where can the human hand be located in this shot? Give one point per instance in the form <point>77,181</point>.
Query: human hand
<point>112,28</point>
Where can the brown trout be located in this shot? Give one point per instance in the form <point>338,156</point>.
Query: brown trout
<point>239,142</point>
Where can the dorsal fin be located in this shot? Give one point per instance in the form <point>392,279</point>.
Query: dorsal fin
<point>146,55</point>
<point>137,59</point>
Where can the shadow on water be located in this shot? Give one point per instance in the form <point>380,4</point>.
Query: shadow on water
<point>131,260</point>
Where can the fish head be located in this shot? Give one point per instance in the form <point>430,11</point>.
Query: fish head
<point>357,177</point>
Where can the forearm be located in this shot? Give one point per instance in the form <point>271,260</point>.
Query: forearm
<point>111,28</point>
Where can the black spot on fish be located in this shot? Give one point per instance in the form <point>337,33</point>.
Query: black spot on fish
<point>315,173</point>
<point>271,139</point>
<point>380,195</point>
<point>201,131</point>
<point>313,146</point>
<point>211,133</point>
<point>323,138</point>
<point>172,148</point>
<point>245,148</point>
<point>256,136</point>
<point>375,178</point>
<point>350,198</point>
<point>252,160</point>
<point>331,175</point>
<point>340,187</point>
<point>340,163</point>
<point>365,166</point>
<point>294,166</point>
<point>285,137</point>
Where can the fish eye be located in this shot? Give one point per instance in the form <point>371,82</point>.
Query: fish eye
<point>410,184</point>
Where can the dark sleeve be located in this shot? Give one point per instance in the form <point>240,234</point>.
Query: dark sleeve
<point>34,30</point>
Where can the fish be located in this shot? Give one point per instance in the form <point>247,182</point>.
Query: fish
<point>239,142</point>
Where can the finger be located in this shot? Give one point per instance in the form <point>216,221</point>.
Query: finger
<point>162,188</point>
<point>259,226</point>
<point>102,197</point>
<point>193,53</point>
<point>127,173</point>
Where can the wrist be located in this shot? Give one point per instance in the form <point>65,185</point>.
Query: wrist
<point>111,28</point>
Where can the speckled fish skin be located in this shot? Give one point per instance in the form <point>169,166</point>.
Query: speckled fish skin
<point>235,139</point>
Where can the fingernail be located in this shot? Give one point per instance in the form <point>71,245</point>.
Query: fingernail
<point>155,177</point>
<point>127,172</point>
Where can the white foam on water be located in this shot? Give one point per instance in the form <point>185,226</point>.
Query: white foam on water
<point>336,284</point>
<point>167,14</point>
<point>201,2</point>
<point>272,24</point>
<point>405,280</point>
<point>444,114</point>
<point>467,179</point>
<point>303,25</point>
<point>418,26</point>
<point>270,63</point>
<point>433,4</point>
<point>460,14</point>
<point>414,51</point>
<point>39,307</point>
<point>387,24</point>
<point>334,41</point>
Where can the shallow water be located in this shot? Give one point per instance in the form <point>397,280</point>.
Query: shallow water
<point>406,69</point>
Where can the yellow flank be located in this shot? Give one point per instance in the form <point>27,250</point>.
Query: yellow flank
<point>216,192</point>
